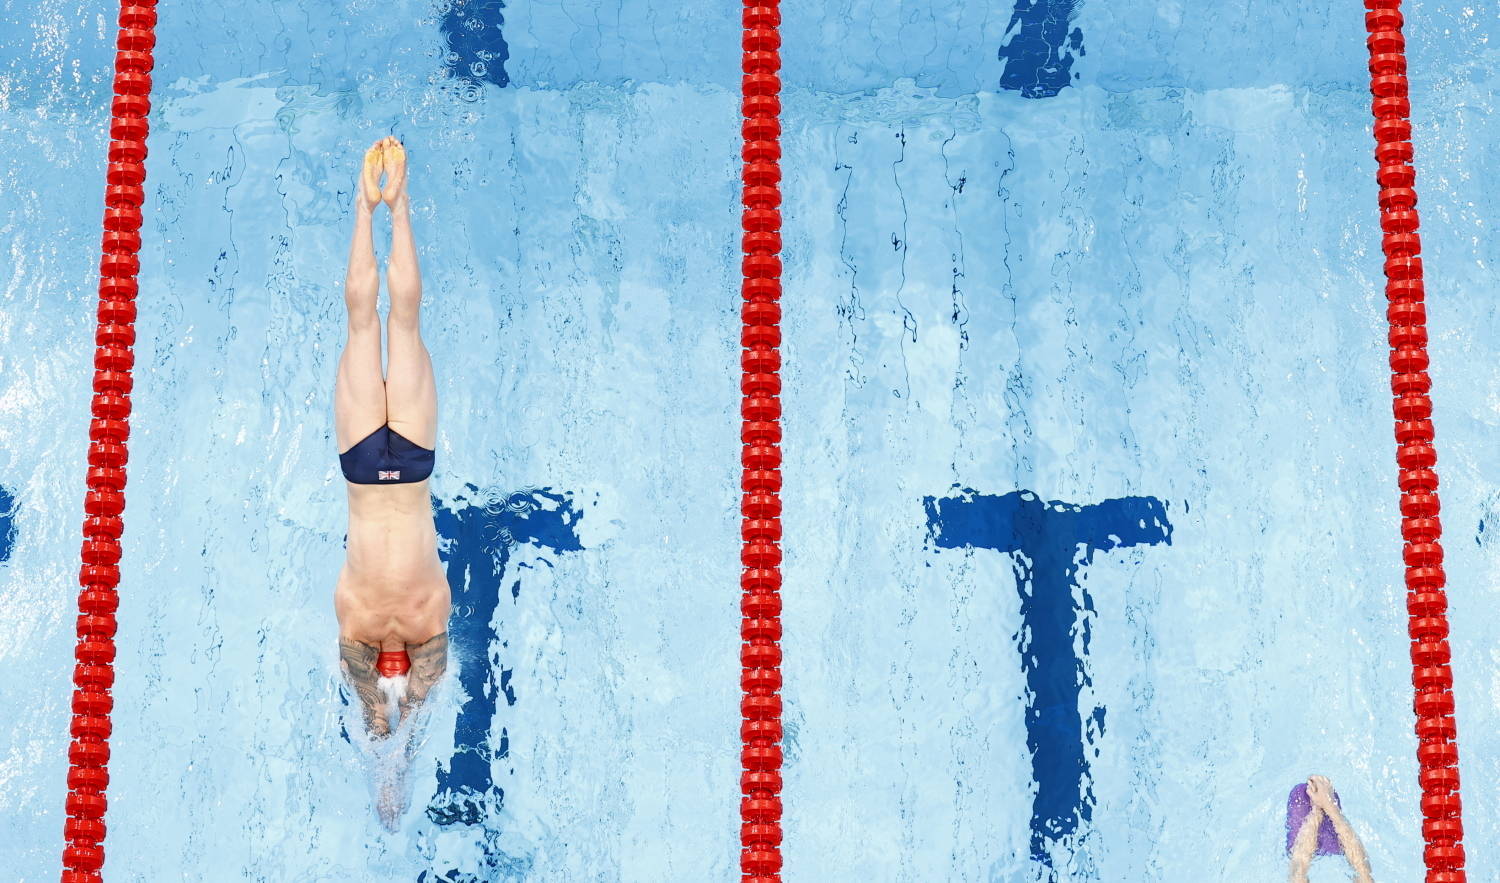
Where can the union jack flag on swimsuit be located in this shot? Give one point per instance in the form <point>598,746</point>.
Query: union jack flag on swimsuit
<point>390,475</point>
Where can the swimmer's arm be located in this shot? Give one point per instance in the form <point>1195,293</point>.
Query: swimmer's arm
<point>428,662</point>
<point>359,669</point>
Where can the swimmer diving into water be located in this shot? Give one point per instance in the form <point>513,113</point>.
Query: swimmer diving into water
<point>392,598</point>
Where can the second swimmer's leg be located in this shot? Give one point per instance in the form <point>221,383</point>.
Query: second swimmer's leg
<point>410,391</point>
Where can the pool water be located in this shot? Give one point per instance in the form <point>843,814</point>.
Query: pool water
<point>1091,519</point>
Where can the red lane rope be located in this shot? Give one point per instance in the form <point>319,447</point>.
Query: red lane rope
<point>93,676</point>
<point>760,431</point>
<point>1426,602</point>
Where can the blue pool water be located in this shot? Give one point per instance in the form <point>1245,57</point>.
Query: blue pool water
<point>1090,506</point>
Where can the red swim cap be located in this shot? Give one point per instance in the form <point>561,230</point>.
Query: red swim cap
<point>391,664</point>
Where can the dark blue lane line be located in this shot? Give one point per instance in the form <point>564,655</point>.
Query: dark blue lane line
<point>1049,542</point>
<point>1040,53</point>
<point>8,507</point>
<point>477,51</point>
<point>477,537</point>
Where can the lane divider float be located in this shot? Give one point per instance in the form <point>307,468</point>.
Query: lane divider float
<point>1416,457</point>
<point>109,429</point>
<point>760,433</point>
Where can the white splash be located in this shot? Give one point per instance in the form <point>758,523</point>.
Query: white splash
<point>389,757</point>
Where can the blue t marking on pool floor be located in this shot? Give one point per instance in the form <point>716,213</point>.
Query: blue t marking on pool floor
<point>7,523</point>
<point>1039,56</point>
<point>476,544</point>
<point>1049,542</point>
<point>476,46</point>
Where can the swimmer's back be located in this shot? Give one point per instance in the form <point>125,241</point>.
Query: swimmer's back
<point>389,613</point>
<point>392,589</point>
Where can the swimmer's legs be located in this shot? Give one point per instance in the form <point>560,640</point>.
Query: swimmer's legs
<point>410,391</point>
<point>359,392</point>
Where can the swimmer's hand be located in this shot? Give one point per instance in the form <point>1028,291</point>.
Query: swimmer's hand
<point>1320,792</point>
<point>391,797</point>
<point>358,661</point>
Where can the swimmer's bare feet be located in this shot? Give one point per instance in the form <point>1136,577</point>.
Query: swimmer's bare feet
<point>394,192</point>
<point>369,177</point>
